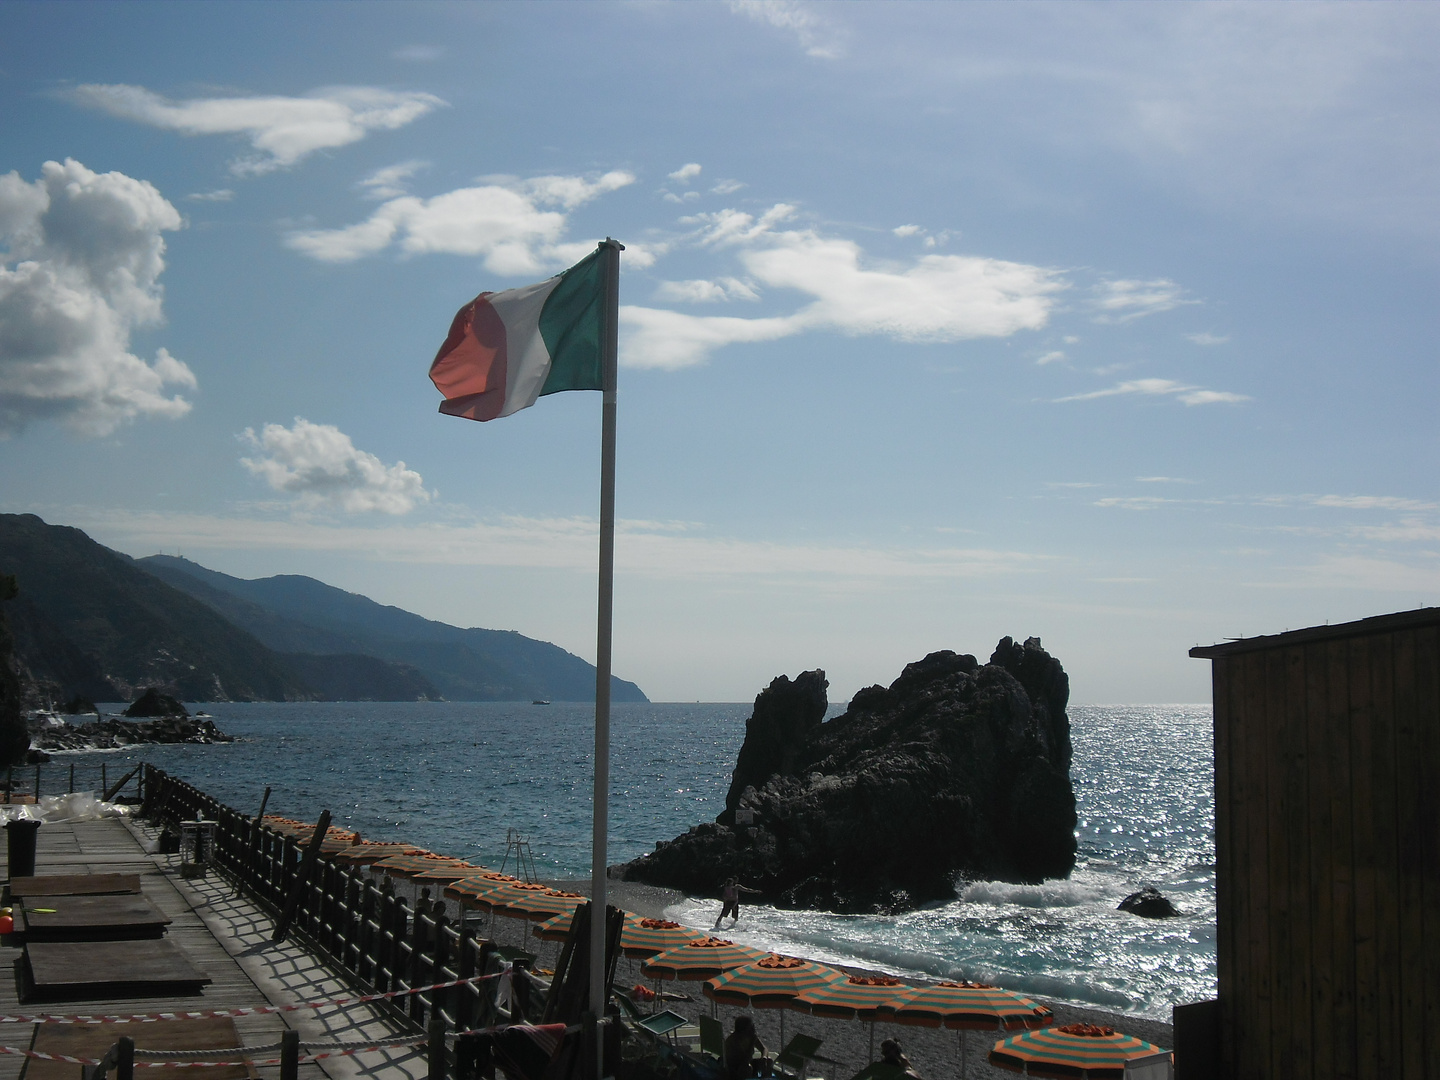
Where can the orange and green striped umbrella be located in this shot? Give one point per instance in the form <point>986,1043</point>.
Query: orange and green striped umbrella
<point>1072,1052</point>
<point>643,938</point>
<point>473,887</point>
<point>527,903</point>
<point>770,982</point>
<point>446,873</point>
<point>369,853</point>
<point>855,997</point>
<point>408,866</point>
<point>976,1006</point>
<point>702,959</point>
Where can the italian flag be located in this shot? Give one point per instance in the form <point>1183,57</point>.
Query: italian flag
<point>507,349</point>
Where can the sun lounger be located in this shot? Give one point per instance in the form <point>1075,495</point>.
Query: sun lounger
<point>92,1041</point>
<point>74,885</point>
<point>799,1052</point>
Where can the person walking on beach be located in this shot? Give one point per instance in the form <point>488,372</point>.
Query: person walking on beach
<point>730,898</point>
<point>740,1048</point>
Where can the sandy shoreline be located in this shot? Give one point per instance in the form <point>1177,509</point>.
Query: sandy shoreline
<point>935,1053</point>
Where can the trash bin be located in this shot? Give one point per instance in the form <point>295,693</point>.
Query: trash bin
<point>20,847</point>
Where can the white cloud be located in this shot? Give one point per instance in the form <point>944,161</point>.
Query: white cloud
<point>1126,300</point>
<point>704,292</point>
<point>907,230</point>
<point>80,272</point>
<point>727,187</point>
<point>389,182</point>
<point>514,225</point>
<point>222,195</point>
<point>283,130</point>
<point>1190,395</point>
<point>1052,357</point>
<point>936,298</point>
<point>1162,480</point>
<point>319,465</point>
<point>1371,502</point>
<point>685,173</point>
<point>817,36</point>
<point>1208,339</point>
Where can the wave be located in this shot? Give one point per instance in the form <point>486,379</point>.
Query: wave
<point>1048,894</point>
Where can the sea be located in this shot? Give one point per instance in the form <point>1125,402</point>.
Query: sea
<point>463,778</point>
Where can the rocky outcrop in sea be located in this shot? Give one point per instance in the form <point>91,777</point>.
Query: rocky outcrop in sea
<point>957,769</point>
<point>50,733</point>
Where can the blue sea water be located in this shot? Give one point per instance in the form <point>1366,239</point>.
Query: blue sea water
<point>454,777</point>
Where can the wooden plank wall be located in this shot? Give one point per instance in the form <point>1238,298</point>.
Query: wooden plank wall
<point>1327,791</point>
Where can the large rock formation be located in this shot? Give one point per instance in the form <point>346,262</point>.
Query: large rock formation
<point>957,769</point>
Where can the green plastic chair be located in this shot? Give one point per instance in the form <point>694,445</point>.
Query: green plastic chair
<point>797,1055</point>
<point>712,1037</point>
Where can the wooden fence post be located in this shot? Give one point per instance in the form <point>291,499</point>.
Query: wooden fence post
<point>289,1055</point>
<point>125,1058</point>
<point>312,852</point>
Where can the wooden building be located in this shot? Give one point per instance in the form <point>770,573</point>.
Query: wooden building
<point>1327,819</point>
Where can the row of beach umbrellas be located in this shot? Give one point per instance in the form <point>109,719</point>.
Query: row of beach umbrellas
<point>746,977</point>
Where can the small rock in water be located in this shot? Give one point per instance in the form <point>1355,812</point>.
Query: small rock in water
<point>1148,903</point>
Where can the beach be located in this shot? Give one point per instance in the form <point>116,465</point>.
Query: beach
<point>934,1052</point>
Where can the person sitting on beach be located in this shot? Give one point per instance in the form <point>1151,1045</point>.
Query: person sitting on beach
<point>891,1054</point>
<point>730,896</point>
<point>740,1048</point>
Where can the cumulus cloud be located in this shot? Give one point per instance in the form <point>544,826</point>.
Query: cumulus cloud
<point>283,130</point>
<point>514,225</point>
<point>907,230</point>
<point>80,270</point>
<point>1126,300</point>
<point>1190,395</point>
<point>817,36</point>
<point>319,465</point>
<point>685,173</point>
<point>936,298</point>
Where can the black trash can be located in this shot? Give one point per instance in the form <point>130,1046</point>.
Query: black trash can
<point>20,847</point>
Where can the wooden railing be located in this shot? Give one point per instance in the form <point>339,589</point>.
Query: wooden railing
<point>360,927</point>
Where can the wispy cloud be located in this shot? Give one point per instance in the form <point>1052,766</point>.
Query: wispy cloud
<point>816,34</point>
<point>705,292</point>
<point>935,298</point>
<point>283,130</point>
<point>1206,338</point>
<point>389,182</point>
<point>1054,356</point>
<point>420,54</point>
<point>651,549</point>
<point>516,226</point>
<point>221,195</point>
<point>1190,395</point>
<point>1126,300</point>
<point>686,173</point>
<point>320,466</point>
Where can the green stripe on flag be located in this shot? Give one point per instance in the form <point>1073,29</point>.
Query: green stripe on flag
<point>570,324</point>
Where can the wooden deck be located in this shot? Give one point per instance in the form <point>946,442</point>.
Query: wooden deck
<point>228,939</point>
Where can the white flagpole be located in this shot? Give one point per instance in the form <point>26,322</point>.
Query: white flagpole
<point>609,348</point>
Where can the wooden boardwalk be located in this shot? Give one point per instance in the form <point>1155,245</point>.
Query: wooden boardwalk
<point>224,936</point>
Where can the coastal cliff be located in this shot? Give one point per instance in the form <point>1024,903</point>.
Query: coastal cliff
<point>957,769</point>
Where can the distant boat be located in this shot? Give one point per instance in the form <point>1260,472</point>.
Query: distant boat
<point>539,701</point>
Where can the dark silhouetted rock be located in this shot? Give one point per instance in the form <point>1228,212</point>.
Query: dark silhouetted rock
<point>112,732</point>
<point>154,703</point>
<point>1149,903</point>
<point>14,737</point>
<point>80,705</point>
<point>956,769</point>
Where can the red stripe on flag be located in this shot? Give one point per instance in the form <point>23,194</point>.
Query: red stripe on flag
<point>470,367</point>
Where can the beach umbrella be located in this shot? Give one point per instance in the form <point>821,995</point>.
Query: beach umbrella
<point>856,997</point>
<point>472,888</point>
<point>409,866</point>
<point>770,983</point>
<point>1083,1051</point>
<point>540,905</point>
<point>367,853</point>
<point>446,873</point>
<point>970,1006</point>
<point>643,938</point>
<point>701,959</point>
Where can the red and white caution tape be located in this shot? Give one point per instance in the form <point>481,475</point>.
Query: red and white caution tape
<point>212,1014</point>
<point>338,1051</point>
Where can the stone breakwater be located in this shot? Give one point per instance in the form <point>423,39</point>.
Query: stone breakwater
<point>956,769</point>
<point>52,734</point>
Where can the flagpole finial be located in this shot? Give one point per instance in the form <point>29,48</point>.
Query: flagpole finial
<point>613,243</point>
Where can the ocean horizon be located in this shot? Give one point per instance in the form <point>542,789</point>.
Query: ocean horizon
<point>455,777</point>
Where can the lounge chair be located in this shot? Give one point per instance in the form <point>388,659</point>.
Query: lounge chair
<point>880,1070</point>
<point>712,1038</point>
<point>799,1052</point>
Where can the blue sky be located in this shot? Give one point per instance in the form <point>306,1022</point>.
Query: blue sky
<point>1108,324</point>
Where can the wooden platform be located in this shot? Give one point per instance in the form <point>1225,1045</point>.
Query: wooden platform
<point>74,885</point>
<point>93,1040</point>
<point>116,917</point>
<point>65,970</point>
